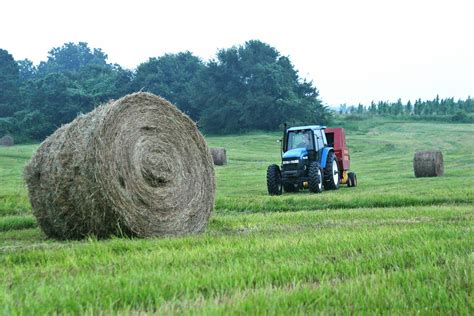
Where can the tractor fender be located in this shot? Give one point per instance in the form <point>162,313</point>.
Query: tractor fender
<point>324,155</point>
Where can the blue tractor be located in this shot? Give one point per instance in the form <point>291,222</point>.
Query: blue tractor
<point>309,161</point>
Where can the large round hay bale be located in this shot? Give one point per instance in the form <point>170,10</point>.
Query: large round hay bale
<point>428,164</point>
<point>7,140</point>
<point>219,156</point>
<point>134,167</point>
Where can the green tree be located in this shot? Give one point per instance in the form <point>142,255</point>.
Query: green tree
<point>382,108</point>
<point>55,100</point>
<point>9,84</point>
<point>469,105</point>
<point>73,80</point>
<point>373,107</point>
<point>409,107</point>
<point>102,82</point>
<point>253,87</point>
<point>71,57</point>
<point>450,106</point>
<point>397,108</point>
<point>8,125</point>
<point>343,108</point>
<point>418,107</point>
<point>27,70</point>
<point>172,76</point>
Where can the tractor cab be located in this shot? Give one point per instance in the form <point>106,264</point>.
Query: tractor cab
<point>309,161</point>
<point>306,141</point>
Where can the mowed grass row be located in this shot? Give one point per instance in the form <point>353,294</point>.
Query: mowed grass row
<point>399,260</point>
<point>13,195</point>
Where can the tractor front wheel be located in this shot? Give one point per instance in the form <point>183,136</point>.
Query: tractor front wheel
<point>274,180</point>
<point>331,173</point>
<point>315,176</point>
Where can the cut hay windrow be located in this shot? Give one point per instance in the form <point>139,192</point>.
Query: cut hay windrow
<point>134,167</point>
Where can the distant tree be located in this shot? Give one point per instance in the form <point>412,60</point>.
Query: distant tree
<point>428,108</point>
<point>8,125</point>
<point>409,107</point>
<point>172,76</point>
<point>253,87</point>
<point>382,108</point>
<point>457,110</point>
<point>418,107</point>
<point>102,82</point>
<point>459,116</point>
<point>343,108</point>
<point>9,84</point>
<point>73,80</point>
<point>436,101</point>
<point>71,57</point>
<point>469,105</point>
<point>55,100</point>
<point>373,107</point>
<point>397,108</point>
<point>450,106</point>
<point>27,70</point>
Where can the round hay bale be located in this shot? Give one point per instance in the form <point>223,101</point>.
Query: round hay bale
<point>7,140</point>
<point>133,167</point>
<point>219,156</point>
<point>428,164</point>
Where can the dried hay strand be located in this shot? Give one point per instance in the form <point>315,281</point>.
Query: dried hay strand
<point>7,140</point>
<point>428,164</point>
<point>219,156</point>
<point>133,167</point>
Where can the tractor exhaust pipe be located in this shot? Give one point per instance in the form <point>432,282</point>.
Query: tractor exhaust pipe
<point>283,143</point>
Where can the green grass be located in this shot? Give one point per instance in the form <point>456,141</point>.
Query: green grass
<point>395,244</point>
<point>382,159</point>
<point>13,197</point>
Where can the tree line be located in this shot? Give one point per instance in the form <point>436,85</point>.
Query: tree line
<point>246,87</point>
<point>437,109</point>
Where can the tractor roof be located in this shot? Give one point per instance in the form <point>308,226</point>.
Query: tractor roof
<point>312,127</point>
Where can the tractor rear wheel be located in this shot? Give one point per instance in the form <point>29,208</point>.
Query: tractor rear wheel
<point>331,173</point>
<point>274,180</point>
<point>352,179</point>
<point>315,176</point>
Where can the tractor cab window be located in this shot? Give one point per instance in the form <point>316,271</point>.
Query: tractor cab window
<point>319,139</point>
<point>300,139</point>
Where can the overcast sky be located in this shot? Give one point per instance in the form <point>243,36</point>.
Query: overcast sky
<point>354,51</point>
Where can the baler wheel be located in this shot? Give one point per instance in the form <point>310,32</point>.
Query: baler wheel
<point>352,179</point>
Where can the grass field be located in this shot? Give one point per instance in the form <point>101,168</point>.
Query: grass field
<point>395,244</point>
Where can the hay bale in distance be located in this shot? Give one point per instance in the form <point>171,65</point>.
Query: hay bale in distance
<point>7,140</point>
<point>428,164</point>
<point>219,156</point>
<point>134,167</point>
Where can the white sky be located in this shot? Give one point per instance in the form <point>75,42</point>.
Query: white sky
<point>354,51</point>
